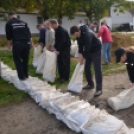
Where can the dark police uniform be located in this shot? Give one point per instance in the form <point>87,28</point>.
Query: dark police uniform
<point>90,48</point>
<point>62,44</point>
<point>130,66</point>
<point>19,32</point>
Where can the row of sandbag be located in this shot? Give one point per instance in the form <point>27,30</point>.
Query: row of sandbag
<point>76,114</point>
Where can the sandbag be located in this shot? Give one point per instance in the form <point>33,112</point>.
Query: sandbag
<point>74,49</point>
<point>41,63</point>
<point>76,82</point>
<point>124,100</point>
<point>36,55</point>
<point>49,72</point>
<point>103,124</point>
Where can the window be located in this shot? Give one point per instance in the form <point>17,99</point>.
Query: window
<point>39,20</point>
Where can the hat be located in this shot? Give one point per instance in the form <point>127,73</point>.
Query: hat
<point>118,53</point>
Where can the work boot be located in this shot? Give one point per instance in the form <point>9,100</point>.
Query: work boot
<point>63,80</point>
<point>98,93</point>
<point>59,79</point>
<point>89,87</point>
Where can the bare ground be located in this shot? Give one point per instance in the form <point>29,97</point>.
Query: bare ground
<point>29,118</point>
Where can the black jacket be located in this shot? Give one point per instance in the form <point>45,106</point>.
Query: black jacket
<point>88,42</point>
<point>17,30</point>
<point>42,36</point>
<point>130,66</point>
<point>62,39</point>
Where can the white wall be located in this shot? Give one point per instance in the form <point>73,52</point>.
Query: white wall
<point>68,23</point>
<point>31,19</point>
<point>119,18</point>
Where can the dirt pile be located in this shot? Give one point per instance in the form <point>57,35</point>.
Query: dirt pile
<point>120,40</point>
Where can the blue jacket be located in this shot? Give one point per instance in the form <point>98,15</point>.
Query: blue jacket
<point>42,36</point>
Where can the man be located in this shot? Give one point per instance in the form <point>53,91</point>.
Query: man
<point>42,31</point>
<point>93,26</point>
<point>62,49</point>
<point>81,23</point>
<point>105,34</point>
<point>19,32</point>
<point>105,23</point>
<point>50,36</point>
<point>90,50</point>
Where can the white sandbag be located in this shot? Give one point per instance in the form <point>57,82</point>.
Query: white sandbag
<point>20,85</point>
<point>49,72</point>
<point>124,100</point>
<point>82,116</point>
<point>36,55</point>
<point>103,124</point>
<point>7,75</point>
<point>77,53</point>
<point>41,63</point>
<point>76,82</point>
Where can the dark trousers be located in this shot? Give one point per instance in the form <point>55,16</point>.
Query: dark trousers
<point>63,61</point>
<point>94,58</point>
<point>21,52</point>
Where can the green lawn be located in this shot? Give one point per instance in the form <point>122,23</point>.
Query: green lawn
<point>9,94</point>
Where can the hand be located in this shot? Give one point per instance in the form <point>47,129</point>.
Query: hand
<point>57,52</point>
<point>36,45</point>
<point>31,47</point>
<point>133,84</point>
<point>9,48</point>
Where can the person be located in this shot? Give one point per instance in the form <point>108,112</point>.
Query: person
<point>81,23</point>
<point>62,49</point>
<point>49,36</point>
<point>105,34</point>
<point>126,55</point>
<point>42,31</point>
<point>93,26</point>
<point>90,50</point>
<point>19,32</point>
<point>105,23</point>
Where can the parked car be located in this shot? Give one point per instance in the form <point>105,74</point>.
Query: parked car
<point>125,27</point>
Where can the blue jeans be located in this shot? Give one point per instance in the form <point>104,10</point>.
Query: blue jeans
<point>106,49</point>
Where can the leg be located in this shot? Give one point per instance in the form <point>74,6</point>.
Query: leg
<point>25,58</point>
<point>98,70</point>
<point>60,65</point>
<point>88,71</point>
<point>66,64</point>
<point>105,49</point>
<point>109,52</point>
<point>17,61</point>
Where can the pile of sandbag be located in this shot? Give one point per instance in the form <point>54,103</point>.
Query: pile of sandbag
<point>77,114</point>
<point>124,100</point>
<point>74,49</point>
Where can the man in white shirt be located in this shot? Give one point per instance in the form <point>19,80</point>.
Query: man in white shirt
<point>81,23</point>
<point>50,36</point>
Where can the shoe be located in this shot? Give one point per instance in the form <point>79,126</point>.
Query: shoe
<point>98,93</point>
<point>104,64</point>
<point>89,87</point>
<point>59,79</point>
<point>63,80</point>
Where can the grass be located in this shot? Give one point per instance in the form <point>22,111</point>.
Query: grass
<point>9,94</point>
<point>131,35</point>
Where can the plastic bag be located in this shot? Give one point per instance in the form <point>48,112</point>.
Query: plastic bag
<point>37,53</point>
<point>49,72</point>
<point>41,63</point>
<point>76,82</point>
<point>124,100</point>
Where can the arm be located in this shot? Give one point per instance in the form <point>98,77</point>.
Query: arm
<point>52,40</point>
<point>88,43</point>
<point>100,32</point>
<point>130,70</point>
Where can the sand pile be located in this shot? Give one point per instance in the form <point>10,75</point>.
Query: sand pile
<point>120,40</point>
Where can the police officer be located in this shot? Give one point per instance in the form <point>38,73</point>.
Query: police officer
<point>19,32</point>
<point>62,49</point>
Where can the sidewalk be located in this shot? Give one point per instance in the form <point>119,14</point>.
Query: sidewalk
<point>3,48</point>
